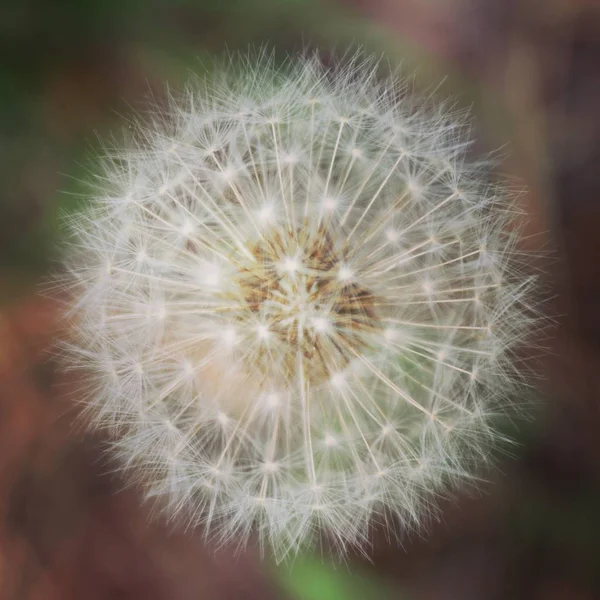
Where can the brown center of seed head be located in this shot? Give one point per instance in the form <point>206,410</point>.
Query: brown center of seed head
<point>316,317</point>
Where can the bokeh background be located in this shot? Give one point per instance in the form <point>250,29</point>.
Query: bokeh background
<point>529,70</point>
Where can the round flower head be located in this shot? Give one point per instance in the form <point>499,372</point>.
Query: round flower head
<point>297,304</point>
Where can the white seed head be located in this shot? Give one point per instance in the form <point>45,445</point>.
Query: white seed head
<point>297,304</point>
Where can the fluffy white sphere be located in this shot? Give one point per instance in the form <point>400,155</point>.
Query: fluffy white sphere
<point>297,303</point>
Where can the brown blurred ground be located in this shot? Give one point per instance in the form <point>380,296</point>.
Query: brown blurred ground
<point>67,532</point>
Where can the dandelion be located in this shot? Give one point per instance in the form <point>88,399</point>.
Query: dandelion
<point>297,304</point>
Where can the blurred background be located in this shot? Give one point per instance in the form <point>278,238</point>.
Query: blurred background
<point>529,70</point>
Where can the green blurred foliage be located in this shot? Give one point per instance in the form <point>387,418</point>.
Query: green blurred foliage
<point>308,578</point>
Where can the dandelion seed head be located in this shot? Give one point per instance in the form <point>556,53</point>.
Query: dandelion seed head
<point>297,303</point>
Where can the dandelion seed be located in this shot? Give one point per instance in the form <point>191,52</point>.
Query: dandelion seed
<point>345,274</point>
<point>272,400</point>
<point>321,324</point>
<point>290,264</point>
<point>330,440</point>
<point>262,332</point>
<point>330,203</point>
<point>338,380</point>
